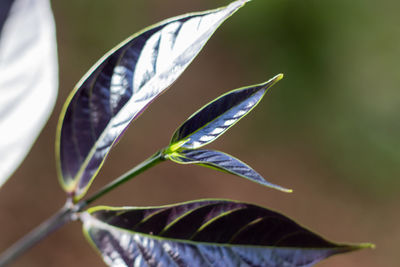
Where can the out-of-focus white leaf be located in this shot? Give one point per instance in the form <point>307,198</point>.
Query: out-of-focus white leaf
<point>28,79</point>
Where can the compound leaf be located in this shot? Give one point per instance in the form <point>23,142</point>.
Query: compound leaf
<point>120,87</point>
<point>223,162</point>
<point>204,233</point>
<point>212,120</point>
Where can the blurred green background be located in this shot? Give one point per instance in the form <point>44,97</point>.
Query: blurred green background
<point>329,129</point>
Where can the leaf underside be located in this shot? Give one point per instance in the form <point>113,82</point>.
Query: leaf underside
<point>223,162</point>
<point>212,120</point>
<point>204,233</point>
<point>120,87</point>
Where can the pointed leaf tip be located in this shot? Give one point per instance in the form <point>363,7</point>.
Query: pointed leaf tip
<point>275,79</point>
<point>121,86</point>
<point>198,232</point>
<point>366,245</point>
<point>286,190</point>
<point>215,118</point>
<point>222,162</point>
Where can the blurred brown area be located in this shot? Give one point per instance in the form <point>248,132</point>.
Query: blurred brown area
<point>329,130</point>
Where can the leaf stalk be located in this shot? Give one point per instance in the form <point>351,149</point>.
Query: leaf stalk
<point>60,218</point>
<point>69,212</point>
<point>145,165</point>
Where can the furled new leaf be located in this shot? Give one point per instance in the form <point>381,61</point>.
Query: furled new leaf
<point>204,233</point>
<point>121,85</point>
<point>223,162</point>
<point>212,120</point>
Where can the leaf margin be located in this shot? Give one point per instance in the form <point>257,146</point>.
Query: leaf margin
<point>178,144</point>
<point>339,247</point>
<point>175,155</point>
<point>70,188</point>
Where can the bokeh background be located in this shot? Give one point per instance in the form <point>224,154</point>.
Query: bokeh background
<point>330,129</point>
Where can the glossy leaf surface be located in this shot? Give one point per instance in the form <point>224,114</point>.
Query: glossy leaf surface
<point>28,78</point>
<point>204,233</point>
<point>223,162</point>
<point>120,87</point>
<point>218,116</point>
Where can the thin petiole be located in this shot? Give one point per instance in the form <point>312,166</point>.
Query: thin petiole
<point>60,218</point>
<point>146,164</point>
<point>69,211</point>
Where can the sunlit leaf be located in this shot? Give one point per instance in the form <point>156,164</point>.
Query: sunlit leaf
<point>218,116</point>
<point>120,87</point>
<point>204,233</point>
<point>28,77</point>
<point>223,162</point>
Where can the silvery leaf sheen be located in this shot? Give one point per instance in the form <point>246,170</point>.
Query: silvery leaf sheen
<point>209,123</point>
<point>216,117</point>
<point>120,86</point>
<point>222,162</point>
<point>204,233</point>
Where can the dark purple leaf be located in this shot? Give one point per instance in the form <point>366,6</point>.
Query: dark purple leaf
<point>212,120</point>
<point>5,6</point>
<point>120,87</point>
<point>204,233</point>
<point>223,162</point>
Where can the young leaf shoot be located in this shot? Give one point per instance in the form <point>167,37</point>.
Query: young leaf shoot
<point>121,86</point>
<point>209,123</point>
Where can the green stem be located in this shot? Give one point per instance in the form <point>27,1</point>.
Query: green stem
<point>69,211</point>
<point>146,164</point>
<point>60,218</point>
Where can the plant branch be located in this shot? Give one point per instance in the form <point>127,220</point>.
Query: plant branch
<point>63,216</point>
<point>70,210</point>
